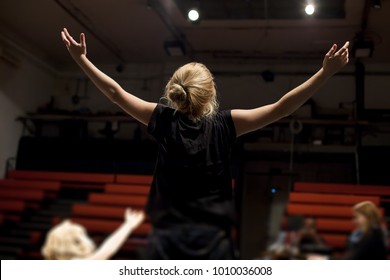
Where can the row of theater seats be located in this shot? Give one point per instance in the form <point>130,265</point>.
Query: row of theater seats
<point>104,212</point>
<point>331,206</point>
<point>25,194</point>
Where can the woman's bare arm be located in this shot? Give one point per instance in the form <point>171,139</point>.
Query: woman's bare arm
<point>134,106</point>
<point>249,120</point>
<point>112,244</point>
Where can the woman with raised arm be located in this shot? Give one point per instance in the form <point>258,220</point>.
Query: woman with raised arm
<point>70,241</point>
<point>190,202</point>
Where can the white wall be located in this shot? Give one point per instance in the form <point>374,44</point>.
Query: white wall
<point>23,87</point>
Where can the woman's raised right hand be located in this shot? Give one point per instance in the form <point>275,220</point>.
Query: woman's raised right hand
<point>75,49</point>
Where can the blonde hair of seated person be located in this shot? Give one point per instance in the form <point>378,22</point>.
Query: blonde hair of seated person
<point>371,216</point>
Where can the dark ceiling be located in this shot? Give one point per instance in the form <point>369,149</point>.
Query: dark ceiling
<point>261,9</point>
<point>135,31</point>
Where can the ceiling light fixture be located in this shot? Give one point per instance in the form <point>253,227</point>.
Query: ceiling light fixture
<point>309,9</point>
<point>193,15</point>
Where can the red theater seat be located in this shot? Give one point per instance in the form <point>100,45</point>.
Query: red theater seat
<point>107,227</point>
<point>62,176</point>
<point>42,185</point>
<point>335,225</point>
<point>115,199</point>
<point>320,210</point>
<point>337,241</point>
<point>16,206</point>
<point>93,211</point>
<point>315,198</point>
<point>134,179</point>
<point>341,189</point>
<point>127,189</point>
<point>22,194</point>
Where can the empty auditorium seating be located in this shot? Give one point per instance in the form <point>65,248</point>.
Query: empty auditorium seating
<point>114,199</point>
<point>22,194</point>
<point>62,176</point>
<point>127,189</point>
<point>12,206</point>
<point>93,211</point>
<point>315,198</point>
<point>88,215</point>
<point>101,213</point>
<point>336,241</point>
<point>30,184</point>
<point>134,179</point>
<point>320,210</point>
<point>100,210</point>
<point>341,189</point>
<point>334,225</point>
<point>107,226</point>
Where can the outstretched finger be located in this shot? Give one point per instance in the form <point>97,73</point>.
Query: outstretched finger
<point>343,49</point>
<point>64,39</point>
<point>82,40</point>
<point>70,38</point>
<point>332,50</point>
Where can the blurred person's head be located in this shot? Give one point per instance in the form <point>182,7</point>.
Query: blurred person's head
<point>309,223</point>
<point>366,216</point>
<point>191,91</point>
<point>67,241</point>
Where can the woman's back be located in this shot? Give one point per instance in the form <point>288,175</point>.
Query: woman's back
<point>192,181</point>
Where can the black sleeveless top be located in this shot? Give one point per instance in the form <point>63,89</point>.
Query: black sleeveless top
<point>192,181</point>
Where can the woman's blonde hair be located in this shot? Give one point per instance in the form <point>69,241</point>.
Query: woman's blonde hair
<point>67,241</point>
<point>191,90</point>
<point>371,213</point>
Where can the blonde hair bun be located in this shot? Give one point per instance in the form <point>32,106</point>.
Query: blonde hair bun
<point>191,90</point>
<point>177,93</point>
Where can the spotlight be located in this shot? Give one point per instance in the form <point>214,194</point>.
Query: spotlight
<point>193,15</point>
<point>309,9</point>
